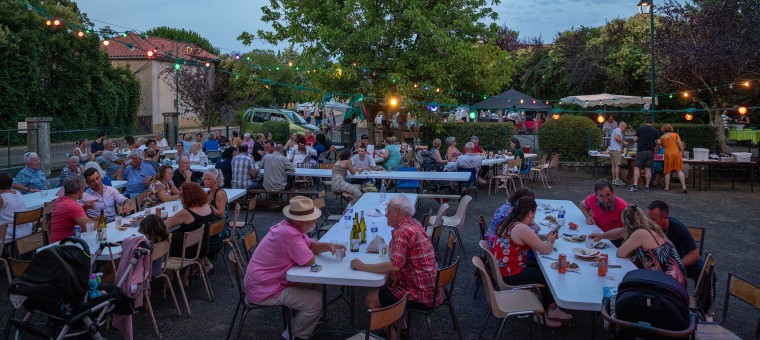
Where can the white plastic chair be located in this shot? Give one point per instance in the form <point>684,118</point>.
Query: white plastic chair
<point>457,221</point>
<point>436,221</point>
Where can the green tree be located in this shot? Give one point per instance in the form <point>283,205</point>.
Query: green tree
<point>284,77</point>
<point>183,35</point>
<point>49,71</point>
<point>443,46</point>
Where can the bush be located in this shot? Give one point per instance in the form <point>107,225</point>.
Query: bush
<point>280,130</point>
<point>570,136</point>
<point>492,136</point>
<point>696,135</point>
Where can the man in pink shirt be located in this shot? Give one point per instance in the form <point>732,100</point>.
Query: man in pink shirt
<point>287,245</point>
<point>67,212</point>
<point>603,208</point>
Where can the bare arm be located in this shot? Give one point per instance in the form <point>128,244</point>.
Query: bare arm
<point>183,216</point>
<point>221,203</point>
<point>691,258</point>
<point>613,234</point>
<point>587,213</point>
<point>633,242</point>
<point>378,268</point>
<point>521,233</point>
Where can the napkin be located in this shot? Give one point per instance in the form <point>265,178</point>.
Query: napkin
<point>374,246</point>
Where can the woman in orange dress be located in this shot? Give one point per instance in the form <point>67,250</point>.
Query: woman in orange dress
<point>673,161</point>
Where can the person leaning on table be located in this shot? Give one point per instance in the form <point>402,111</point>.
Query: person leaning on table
<point>67,212</point>
<point>31,178</point>
<point>603,208</point>
<point>411,261</point>
<point>106,197</point>
<point>287,245</point>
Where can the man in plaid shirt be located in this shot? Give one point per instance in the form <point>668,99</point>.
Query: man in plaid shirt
<point>412,261</point>
<point>243,170</point>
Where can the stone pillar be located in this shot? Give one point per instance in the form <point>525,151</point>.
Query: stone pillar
<point>38,139</point>
<point>171,127</point>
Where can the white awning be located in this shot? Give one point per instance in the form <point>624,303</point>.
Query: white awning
<point>606,99</point>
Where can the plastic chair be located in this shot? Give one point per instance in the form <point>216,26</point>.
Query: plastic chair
<point>160,252</point>
<point>175,264</point>
<point>704,289</point>
<point>457,221</point>
<point>248,306</point>
<point>383,317</point>
<point>744,291</point>
<point>408,183</point>
<point>437,221</point>
<point>213,156</point>
<point>507,303</point>
<point>53,183</point>
<point>443,279</point>
<point>554,164</point>
<point>698,234</point>
<point>496,273</point>
<point>540,171</point>
<point>3,261</point>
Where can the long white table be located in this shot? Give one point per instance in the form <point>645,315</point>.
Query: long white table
<point>405,175</point>
<point>582,290</point>
<point>340,273</point>
<point>499,160</point>
<point>35,200</point>
<point>116,235</point>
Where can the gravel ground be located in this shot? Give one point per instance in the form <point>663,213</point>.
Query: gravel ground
<point>729,216</point>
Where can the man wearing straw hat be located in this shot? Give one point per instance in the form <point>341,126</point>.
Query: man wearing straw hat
<point>286,245</point>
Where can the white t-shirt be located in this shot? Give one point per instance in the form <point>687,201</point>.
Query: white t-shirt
<point>162,144</point>
<point>614,144</point>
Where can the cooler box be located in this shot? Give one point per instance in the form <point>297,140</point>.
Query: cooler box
<point>743,157</point>
<point>701,154</point>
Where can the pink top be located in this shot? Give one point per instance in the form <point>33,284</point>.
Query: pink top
<point>63,218</point>
<point>606,219</point>
<point>283,247</point>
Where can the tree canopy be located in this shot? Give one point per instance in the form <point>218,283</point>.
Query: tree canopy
<point>49,71</point>
<point>183,35</point>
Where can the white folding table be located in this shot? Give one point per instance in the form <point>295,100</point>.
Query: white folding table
<point>35,200</point>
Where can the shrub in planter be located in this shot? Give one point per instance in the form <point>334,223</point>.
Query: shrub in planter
<point>570,136</point>
<point>492,136</point>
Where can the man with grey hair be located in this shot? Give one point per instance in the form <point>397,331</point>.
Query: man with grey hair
<point>67,212</point>
<point>31,178</point>
<point>161,142</point>
<point>470,159</point>
<point>137,174</point>
<point>411,258</point>
<point>276,168</point>
<point>113,163</point>
<point>475,140</point>
<point>183,174</point>
<point>72,168</point>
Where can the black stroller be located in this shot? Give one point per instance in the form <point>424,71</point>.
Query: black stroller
<point>54,292</point>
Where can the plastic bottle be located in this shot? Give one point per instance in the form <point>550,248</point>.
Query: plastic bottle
<point>561,216</point>
<point>382,191</point>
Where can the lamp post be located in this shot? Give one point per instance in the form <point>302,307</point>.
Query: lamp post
<point>646,7</point>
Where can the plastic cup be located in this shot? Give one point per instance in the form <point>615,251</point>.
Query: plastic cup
<point>589,242</point>
<point>164,214</point>
<point>338,253</point>
<point>90,226</point>
<point>119,222</point>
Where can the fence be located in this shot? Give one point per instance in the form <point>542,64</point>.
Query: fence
<point>62,144</point>
<point>13,145</point>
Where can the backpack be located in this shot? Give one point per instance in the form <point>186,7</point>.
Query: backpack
<point>652,297</point>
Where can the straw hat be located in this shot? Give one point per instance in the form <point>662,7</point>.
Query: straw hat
<point>301,208</point>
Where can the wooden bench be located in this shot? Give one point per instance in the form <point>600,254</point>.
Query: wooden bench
<point>274,198</point>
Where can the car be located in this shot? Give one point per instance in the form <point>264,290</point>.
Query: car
<point>253,120</point>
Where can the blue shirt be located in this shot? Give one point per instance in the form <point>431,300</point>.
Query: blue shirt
<point>210,145</point>
<point>136,178</point>
<point>31,178</point>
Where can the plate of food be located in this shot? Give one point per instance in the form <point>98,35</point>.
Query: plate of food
<point>135,220</point>
<point>574,238</point>
<point>551,219</point>
<point>571,266</point>
<point>573,226</point>
<point>586,254</point>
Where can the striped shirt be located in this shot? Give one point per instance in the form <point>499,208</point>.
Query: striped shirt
<point>241,166</point>
<point>412,252</point>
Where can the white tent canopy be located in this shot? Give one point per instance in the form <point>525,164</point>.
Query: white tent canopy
<point>336,106</point>
<point>606,99</point>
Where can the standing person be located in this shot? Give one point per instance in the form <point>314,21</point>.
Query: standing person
<point>647,139</point>
<point>243,171</point>
<point>184,174</point>
<point>647,243</point>
<point>317,116</point>
<point>411,260</point>
<point>83,151</point>
<point>673,161</point>
<point>97,146</point>
<point>276,169</point>
<point>106,197</point>
<point>515,238</point>
<point>31,178</point>
<point>72,169</point>
<point>340,171</point>
<point>609,125</point>
<point>67,212</point>
<point>162,189</point>
<point>236,141</point>
<point>225,165</point>
<point>137,174</point>
<point>11,202</point>
<point>617,142</point>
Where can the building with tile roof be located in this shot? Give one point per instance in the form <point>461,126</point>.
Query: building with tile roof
<point>156,97</point>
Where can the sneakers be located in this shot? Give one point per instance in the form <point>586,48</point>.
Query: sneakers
<point>558,314</point>
<point>618,182</point>
<point>634,188</point>
<point>646,189</point>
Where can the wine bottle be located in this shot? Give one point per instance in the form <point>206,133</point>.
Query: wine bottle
<point>363,229</point>
<point>355,237</point>
<point>101,228</point>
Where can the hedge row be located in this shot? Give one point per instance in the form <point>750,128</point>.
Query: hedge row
<point>570,136</point>
<point>492,136</point>
<point>696,136</point>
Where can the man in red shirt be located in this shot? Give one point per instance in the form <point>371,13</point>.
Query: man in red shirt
<point>412,261</point>
<point>478,149</point>
<point>603,208</point>
<point>67,212</point>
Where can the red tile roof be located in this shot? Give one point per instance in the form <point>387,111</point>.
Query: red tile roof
<point>118,48</point>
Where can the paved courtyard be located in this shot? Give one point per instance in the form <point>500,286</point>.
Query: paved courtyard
<point>732,236</point>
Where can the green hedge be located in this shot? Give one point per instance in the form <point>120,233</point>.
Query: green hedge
<point>492,136</point>
<point>570,136</point>
<point>280,131</point>
<point>696,136</point>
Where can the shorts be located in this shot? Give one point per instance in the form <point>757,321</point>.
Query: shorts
<point>387,298</point>
<point>644,159</point>
<point>616,157</point>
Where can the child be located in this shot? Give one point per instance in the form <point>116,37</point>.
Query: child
<point>154,229</point>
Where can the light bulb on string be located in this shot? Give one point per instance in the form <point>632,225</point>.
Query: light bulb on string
<point>80,34</point>
<point>670,96</point>
<point>686,94</point>
<point>600,119</point>
<point>150,54</point>
<point>48,22</point>
<point>742,110</point>
<point>688,117</point>
<point>57,22</point>
<point>746,83</point>
<point>555,116</point>
<point>208,64</point>
<point>106,42</point>
<point>290,64</point>
<point>437,90</point>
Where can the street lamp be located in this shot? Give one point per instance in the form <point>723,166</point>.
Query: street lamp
<point>646,7</point>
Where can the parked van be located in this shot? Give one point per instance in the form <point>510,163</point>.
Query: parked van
<point>254,118</point>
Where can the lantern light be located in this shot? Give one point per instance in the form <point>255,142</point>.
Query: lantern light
<point>106,42</point>
<point>689,116</point>
<point>555,116</point>
<point>150,53</point>
<point>600,119</point>
<point>742,110</point>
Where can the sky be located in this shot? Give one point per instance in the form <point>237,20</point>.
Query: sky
<point>221,21</point>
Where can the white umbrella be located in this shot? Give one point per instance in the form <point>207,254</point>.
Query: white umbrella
<point>605,99</point>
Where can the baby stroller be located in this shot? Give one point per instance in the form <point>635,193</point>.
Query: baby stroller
<point>430,163</point>
<point>55,289</point>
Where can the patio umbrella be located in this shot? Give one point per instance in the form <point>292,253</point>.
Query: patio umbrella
<point>605,99</point>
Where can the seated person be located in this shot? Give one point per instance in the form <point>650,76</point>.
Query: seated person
<point>113,162</point>
<point>340,171</point>
<point>469,160</point>
<point>647,244</point>
<point>183,174</point>
<point>603,208</point>
<point>276,168</point>
<point>515,238</point>
<point>515,143</point>
<point>137,174</point>
<point>11,202</point>
<point>503,211</point>
<point>104,177</point>
<point>410,257</point>
<point>162,189</point>
<point>196,155</point>
<point>679,235</point>
<point>211,143</point>
<point>287,245</point>
<point>363,161</point>
<point>301,153</point>
<point>72,168</point>
<point>106,197</point>
<point>225,165</point>
<point>243,170</point>
<point>31,178</point>
<point>67,212</point>
<point>391,153</point>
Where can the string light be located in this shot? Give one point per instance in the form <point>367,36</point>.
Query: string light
<point>150,53</point>
<point>555,116</point>
<point>686,94</point>
<point>80,34</point>
<point>746,83</point>
<point>57,22</point>
<point>688,116</point>
<point>106,42</point>
<point>742,110</point>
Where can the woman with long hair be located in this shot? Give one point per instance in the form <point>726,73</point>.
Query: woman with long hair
<point>339,173</point>
<point>515,143</point>
<point>515,239</point>
<point>646,242</point>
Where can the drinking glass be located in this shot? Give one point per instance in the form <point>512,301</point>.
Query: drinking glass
<point>118,220</point>
<point>338,253</point>
<point>90,226</point>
